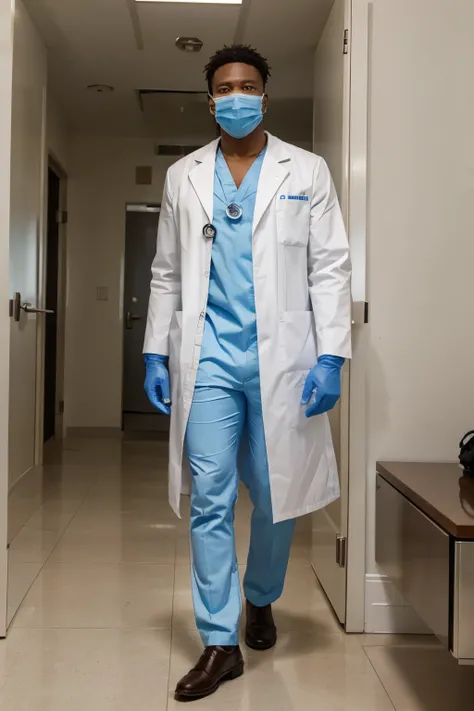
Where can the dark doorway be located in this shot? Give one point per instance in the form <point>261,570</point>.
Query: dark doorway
<point>140,248</point>
<point>51,333</point>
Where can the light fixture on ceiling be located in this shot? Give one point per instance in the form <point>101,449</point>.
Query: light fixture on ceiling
<point>189,44</point>
<point>100,88</point>
<point>200,2</point>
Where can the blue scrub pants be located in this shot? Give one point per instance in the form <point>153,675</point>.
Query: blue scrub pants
<point>220,417</point>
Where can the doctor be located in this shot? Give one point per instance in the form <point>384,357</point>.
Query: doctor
<point>248,328</point>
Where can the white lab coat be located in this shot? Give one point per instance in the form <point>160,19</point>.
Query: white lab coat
<point>301,270</point>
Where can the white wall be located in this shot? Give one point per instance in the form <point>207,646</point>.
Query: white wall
<point>58,136</point>
<point>421,247</point>
<point>101,182</point>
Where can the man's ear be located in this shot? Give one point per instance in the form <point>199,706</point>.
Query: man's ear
<point>212,106</point>
<point>265,103</point>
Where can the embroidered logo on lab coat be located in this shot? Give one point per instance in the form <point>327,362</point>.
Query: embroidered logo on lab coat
<point>304,198</point>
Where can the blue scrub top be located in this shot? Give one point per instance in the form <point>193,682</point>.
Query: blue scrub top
<point>230,334</point>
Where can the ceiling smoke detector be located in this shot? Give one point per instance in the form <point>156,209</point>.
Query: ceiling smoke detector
<point>100,88</point>
<point>189,44</point>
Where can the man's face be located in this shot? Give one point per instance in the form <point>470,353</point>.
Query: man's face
<point>237,78</point>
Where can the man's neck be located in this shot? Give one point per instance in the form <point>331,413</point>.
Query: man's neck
<point>244,148</point>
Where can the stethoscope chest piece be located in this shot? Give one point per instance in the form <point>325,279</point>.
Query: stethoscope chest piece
<point>234,212</point>
<point>209,231</point>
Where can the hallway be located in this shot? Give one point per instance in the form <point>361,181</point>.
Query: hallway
<point>108,622</point>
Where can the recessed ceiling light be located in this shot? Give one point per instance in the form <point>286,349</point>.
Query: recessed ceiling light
<point>200,2</point>
<point>100,88</point>
<point>189,44</point>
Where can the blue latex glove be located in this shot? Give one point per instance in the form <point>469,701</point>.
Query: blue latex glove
<point>324,380</point>
<point>157,382</point>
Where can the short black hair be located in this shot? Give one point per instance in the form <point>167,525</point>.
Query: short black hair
<point>236,53</point>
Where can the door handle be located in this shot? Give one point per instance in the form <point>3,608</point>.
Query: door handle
<point>16,307</point>
<point>29,309</point>
<point>130,318</point>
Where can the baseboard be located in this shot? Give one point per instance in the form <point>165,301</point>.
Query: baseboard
<point>386,612</point>
<point>94,432</point>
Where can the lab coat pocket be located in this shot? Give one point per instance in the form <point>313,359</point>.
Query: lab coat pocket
<point>293,223</point>
<point>298,341</point>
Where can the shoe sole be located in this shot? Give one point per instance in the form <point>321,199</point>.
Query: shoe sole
<point>260,647</point>
<point>234,673</point>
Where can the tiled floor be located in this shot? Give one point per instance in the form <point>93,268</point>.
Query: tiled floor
<point>107,624</point>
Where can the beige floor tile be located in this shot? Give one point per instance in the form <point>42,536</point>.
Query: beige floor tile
<point>20,510</point>
<point>21,577</point>
<point>55,485</point>
<point>183,553</point>
<point>131,489</point>
<point>99,596</point>
<point>88,452</point>
<point>97,670</point>
<point>110,518</point>
<point>307,672</point>
<point>10,654</point>
<point>125,504</point>
<point>183,614</point>
<point>303,605</point>
<point>32,545</point>
<point>404,640</point>
<point>54,515</point>
<point>423,677</point>
<point>115,546</point>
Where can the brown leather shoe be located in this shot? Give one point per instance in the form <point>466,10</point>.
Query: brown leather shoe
<point>217,664</point>
<point>260,630</point>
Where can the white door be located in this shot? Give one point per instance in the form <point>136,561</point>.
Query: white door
<point>26,229</point>
<point>6,58</point>
<point>27,213</point>
<point>331,140</point>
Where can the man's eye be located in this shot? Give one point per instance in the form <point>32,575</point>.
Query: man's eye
<point>249,88</point>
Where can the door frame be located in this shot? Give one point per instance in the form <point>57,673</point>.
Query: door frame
<point>56,166</point>
<point>6,77</point>
<point>51,162</point>
<point>358,395</point>
<point>332,101</point>
<point>354,401</point>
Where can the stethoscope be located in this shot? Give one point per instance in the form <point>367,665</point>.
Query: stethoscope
<point>209,231</point>
<point>233,211</point>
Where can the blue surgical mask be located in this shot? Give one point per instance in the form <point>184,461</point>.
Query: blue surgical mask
<point>239,114</point>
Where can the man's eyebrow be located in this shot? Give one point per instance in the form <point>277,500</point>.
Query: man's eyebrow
<point>237,81</point>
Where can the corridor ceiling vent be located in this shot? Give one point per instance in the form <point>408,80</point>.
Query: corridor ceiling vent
<point>100,88</point>
<point>200,2</point>
<point>189,44</point>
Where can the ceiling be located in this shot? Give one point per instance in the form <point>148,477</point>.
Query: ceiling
<point>130,46</point>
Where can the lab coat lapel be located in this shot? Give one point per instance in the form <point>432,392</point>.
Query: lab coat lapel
<point>275,169</point>
<point>202,177</point>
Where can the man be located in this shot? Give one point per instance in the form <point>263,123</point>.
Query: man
<point>250,308</point>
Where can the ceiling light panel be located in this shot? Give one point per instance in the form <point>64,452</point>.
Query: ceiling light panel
<point>200,2</point>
